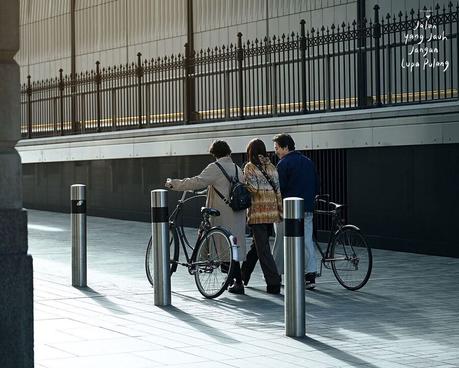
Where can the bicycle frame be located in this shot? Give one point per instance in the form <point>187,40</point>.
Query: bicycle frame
<point>337,224</point>
<point>204,225</point>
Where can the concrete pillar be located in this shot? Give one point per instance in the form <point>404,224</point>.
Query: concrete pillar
<point>16,287</point>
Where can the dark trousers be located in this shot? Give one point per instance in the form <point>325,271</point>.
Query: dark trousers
<point>260,250</point>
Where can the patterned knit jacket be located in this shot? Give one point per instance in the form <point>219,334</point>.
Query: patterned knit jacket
<point>266,205</point>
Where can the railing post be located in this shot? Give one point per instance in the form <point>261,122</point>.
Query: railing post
<point>240,75</point>
<point>61,100</point>
<point>303,66</point>
<point>226,94</point>
<point>160,244</point>
<point>29,108</point>
<point>98,81</point>
<point>139,72</point>
<point>113,102</point>
<point>79,234</point>
<point>294,306</point>
<point>327,81</point>
<point>389,69</point>
<point>75,125</point>
<point>186,89</point>
<point>377,36</point>
<point>361,62</point>
<point>55,115</point>
<point>457,49</point>
<point>83,112</point>
<point>189,113</point>
<point>274,92</point>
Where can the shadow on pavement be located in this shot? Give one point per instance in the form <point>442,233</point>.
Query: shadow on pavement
<point>198,324</point>
<point>102,300</point>
<point>334,352</point>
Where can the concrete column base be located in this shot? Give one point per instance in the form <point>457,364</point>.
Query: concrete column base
<point>16,311</point>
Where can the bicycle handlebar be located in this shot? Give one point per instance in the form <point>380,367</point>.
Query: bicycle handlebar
<point>196,192</point>
<point>325,199</point>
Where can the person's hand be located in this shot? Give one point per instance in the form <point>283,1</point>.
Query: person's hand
<point>168,183</point>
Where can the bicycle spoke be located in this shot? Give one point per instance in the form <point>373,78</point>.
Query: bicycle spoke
<point>214,250</point>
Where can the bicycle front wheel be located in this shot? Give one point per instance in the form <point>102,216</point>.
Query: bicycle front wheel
<point>214,263</point>
<point>174,254</point>
<point>351,258</point>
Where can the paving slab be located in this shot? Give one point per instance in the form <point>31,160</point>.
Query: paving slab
<point>406,316</point>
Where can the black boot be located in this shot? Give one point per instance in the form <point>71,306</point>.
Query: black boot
<point>273,289</point>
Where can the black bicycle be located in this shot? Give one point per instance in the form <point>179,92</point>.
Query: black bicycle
<point>347,252</point>
<point>211,259</point>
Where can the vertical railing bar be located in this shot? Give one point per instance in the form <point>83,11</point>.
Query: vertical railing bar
<point>240,60</point>
<point>322,40</point>
<point>419,61</point>
<point>284,83</point>
<point>289,73</point>
<point>437,8</point>
<point>445,91</point>
<point>356,61</point>
<point>383,58</point>
<point>61,100</point>
<point>338,54</point>
<point>327,82</point>
<point>314,40</point>
<point>377,35</point>
<point>457,49</point>
<point>98,95</point>
<point>308,39</point>
<point>139,72</point>
<point>29,108</point>
<point>275,90</point>
<point>389,60</point>
<point>337,68</point>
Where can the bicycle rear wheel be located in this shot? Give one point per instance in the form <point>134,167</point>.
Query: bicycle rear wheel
<point>174,254</point>
<point>214,263</point>
<point>351,258</point>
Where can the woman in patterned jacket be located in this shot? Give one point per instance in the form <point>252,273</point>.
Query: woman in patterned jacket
<point>263,183</point>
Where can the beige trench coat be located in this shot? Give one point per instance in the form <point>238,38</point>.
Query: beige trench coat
<point>212,177</point>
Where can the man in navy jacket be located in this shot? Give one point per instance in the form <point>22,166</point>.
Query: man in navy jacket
<point>297,178</point>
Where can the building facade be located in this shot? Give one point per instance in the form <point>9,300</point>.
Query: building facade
<point>385,137</point>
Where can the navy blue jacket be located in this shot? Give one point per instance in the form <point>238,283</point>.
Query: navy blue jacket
<point>298,178</point>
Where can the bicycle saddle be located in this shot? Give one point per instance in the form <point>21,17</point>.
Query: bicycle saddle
<point>337,206</point>
<point>209,211</point>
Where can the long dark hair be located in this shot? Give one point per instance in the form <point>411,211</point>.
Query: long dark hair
<point>254,148</point>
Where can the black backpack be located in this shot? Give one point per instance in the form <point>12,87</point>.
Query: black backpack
<point>239,197</point>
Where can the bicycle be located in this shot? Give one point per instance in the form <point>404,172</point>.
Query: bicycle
<point>347,252</point>
<point>211,259</point>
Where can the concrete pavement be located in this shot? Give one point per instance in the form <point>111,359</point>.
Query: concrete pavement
<point>406,316</point>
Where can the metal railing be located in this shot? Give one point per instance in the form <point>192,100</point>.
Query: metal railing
<point>408,58</point>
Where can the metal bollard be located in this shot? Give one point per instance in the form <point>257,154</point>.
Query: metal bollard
<point>161,252</point>
<point>294,307</point>
<point>78,223</point>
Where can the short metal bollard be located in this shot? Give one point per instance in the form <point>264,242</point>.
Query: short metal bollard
<point>79,232</point>
<point>294,307</point>
<point>161,251</point>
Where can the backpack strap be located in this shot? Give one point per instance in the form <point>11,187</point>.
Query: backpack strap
<point>236,176</point>
<point>224,171</point>
<point>224,199</point>
<point>270,181</point>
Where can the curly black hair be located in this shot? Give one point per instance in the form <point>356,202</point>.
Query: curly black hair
<point>219,149</point>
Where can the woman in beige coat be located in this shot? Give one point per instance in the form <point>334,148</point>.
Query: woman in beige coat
<point>213,178</point>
